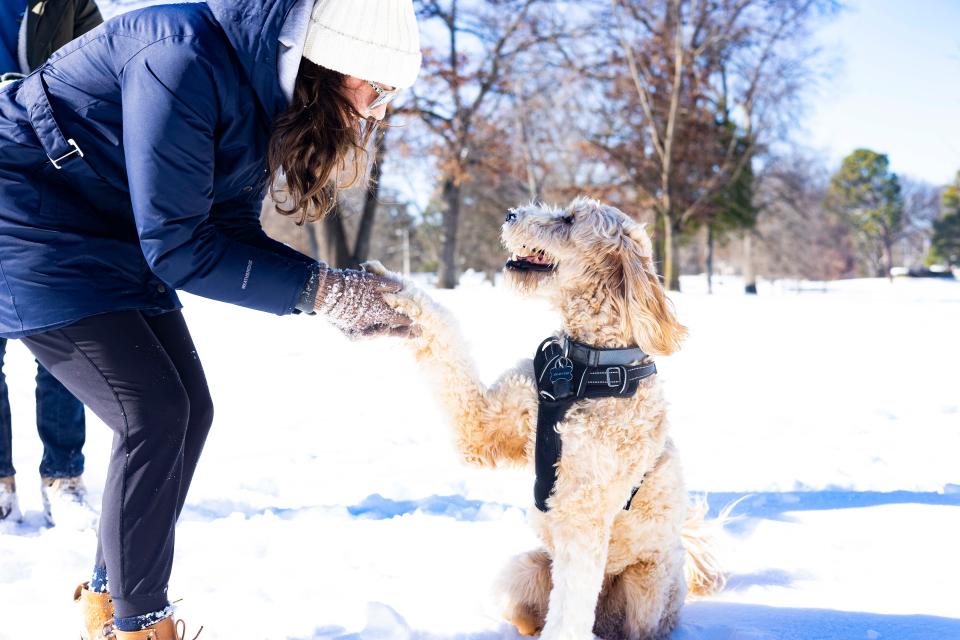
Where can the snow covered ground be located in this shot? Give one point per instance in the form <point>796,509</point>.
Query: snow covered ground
<point>329,503</point>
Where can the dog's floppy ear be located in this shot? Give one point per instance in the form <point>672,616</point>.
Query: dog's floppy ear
<point>649,314</point>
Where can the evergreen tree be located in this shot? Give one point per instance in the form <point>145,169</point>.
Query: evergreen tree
<point>866,195</point>
<point>945,245</point>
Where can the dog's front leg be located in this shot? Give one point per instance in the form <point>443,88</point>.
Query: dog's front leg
<point>579,557</point>
<point>492,425</point>
<point>586,500</point>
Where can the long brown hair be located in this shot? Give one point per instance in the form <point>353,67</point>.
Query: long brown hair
<point>318,144</point>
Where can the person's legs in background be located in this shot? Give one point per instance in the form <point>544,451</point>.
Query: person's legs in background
<point>60,423</point>
<point>62,429</point>
<point>9,507</point>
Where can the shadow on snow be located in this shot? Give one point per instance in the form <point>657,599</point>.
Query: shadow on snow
<point>376,507</point>
<point>702,621</point>
<point>728,621</point>
<point>373,507</point>
<point>775,506</point>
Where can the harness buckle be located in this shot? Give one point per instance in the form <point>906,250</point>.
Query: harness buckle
<point>612,382</point>
<point>76,150</point>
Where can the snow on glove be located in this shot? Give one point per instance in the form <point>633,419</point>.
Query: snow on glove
<point>353,302</point>
<point>435,334</point>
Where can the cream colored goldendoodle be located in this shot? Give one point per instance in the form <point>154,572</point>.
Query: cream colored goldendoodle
<point>603,569</point>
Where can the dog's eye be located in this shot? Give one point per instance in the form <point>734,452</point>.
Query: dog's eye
<point>567,219</point>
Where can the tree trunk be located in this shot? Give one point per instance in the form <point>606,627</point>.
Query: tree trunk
<point>710,259</point>
<point>336,239</point>
<point>889,258</point>
<point>313,242</point>
<point>533,185</point>
<point>405,250</point>
<point>362,248</point>
<point>749,278</point>
<point>671,261</point>
<point>447,278</point>
<point>658,245</point>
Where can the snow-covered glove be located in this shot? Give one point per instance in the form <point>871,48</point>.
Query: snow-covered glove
<point>435,333</point>
<point>431,323</point>
<point>353,302</point>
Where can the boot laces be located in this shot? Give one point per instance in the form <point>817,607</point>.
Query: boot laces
<point>182,631</point>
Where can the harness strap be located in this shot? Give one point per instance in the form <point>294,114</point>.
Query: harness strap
<point>557,366</point>
<point>598,357</point>
<point>614,377</point>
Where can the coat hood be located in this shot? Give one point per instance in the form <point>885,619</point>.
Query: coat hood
<point>253,28</point>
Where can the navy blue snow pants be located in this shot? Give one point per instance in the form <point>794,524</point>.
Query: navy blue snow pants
<point>60,423</point>
<point>141,375</point>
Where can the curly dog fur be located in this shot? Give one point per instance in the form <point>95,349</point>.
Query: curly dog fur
<point>619,574</point>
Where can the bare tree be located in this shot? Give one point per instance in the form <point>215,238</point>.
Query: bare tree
<point>465,73</point>
<point>341,251</point>
<point>796,237</point>
<point>921,207</point>
<point>694,90</point>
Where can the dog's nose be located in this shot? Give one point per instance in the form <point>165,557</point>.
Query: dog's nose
<point>511,216</point>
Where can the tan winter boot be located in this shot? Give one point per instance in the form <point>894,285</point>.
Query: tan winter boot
<point>166,629</point>
<point>9,506</point>
<point>97,611</point>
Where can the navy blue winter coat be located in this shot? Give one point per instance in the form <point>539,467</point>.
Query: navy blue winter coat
<point>172,108</point>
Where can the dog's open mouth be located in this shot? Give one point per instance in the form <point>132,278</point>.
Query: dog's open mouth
<point>536,260</point>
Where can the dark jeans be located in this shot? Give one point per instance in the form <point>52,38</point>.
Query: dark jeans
<point>141,375</point>
<point>60,424</point>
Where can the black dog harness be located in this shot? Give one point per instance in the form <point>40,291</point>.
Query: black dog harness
<point>568,371</point>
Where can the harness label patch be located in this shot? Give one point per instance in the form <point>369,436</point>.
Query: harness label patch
<point>561,375</point>
<point>562,370</point>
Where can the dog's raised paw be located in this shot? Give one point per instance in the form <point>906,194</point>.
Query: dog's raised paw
<point>408,301</point>
<point>405,302</point>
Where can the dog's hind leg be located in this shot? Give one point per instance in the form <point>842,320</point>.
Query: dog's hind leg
<point>526,584</point>
<point>649,595</point>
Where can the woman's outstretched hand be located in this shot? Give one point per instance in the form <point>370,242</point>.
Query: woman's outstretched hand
<point>353,302</point>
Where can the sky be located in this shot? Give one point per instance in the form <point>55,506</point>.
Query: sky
<point>896,89</point>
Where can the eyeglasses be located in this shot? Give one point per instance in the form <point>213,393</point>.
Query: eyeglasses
<point>384,96</point>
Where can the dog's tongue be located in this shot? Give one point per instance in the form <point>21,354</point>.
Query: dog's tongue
<point>535,259</point>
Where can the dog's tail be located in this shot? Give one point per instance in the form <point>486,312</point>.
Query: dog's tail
<point>702,568</point>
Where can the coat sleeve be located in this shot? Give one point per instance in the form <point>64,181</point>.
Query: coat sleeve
<point>86,17</point>
<point>240,219</point>
<point>170,113</point>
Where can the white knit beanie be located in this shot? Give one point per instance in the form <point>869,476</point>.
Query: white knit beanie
<point>373,40</point>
